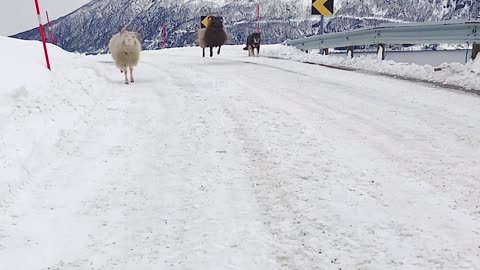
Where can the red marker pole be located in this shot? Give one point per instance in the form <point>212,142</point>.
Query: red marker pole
<point>258,18</point>
<point>42,34</point>
<point>161,37</point>
<point>50,31</point>
<point>164,36</point>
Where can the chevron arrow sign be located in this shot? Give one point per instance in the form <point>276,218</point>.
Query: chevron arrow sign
<point>203,21</point>
<point>322,7</point>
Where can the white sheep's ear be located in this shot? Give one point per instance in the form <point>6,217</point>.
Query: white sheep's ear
<point>138,35</point>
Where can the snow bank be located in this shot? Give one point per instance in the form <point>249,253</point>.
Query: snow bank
<point>454,74</point>
<point>476,66</point>
<point>37,107</point>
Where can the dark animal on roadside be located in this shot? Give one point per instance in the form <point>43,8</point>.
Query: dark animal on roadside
<point>253,42</point>
<point>213,35</point>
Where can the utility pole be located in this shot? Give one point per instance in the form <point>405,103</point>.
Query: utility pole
<point>286,20</point>
<point>258,18</point>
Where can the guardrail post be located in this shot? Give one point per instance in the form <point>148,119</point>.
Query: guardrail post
<point>381,47</point>
<point>475,50</point>
<point>350,52</point>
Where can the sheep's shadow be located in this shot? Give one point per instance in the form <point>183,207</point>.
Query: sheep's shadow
<point>138,81</point>
<point>106,61</point>
<point>219,62</point>
<point>145,81</point>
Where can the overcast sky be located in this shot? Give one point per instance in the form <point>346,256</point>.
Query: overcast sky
<point>20,15</point>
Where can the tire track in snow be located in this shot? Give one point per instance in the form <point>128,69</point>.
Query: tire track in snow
<point>358,127</point>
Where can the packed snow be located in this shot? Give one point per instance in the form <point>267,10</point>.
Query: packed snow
<point>233,162</point>
<point>465,76</point>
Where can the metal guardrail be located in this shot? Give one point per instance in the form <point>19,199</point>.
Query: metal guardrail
<point>455,31</point>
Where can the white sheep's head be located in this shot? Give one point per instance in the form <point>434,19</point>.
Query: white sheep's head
<point>129,38</point>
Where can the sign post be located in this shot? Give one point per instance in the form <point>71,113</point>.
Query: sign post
<point>42,34</point>
<point>321,25</point>
<point>323,8</point>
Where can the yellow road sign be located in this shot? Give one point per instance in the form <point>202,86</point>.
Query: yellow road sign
<point>322,7</point>
<point>204,21</point>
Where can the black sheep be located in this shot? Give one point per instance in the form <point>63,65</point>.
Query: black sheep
<point>213,35</point>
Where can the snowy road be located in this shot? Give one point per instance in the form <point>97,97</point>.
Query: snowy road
<point>253,163</point>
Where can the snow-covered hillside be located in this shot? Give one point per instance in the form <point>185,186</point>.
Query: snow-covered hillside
<point>280,19</point>
<point>231,162</point>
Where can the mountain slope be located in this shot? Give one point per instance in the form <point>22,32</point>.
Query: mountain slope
<point>89,28</point>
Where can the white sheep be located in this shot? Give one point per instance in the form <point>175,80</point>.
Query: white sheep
<point>125,49</point>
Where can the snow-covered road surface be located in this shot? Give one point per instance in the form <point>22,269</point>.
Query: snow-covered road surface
<point>246,163</point>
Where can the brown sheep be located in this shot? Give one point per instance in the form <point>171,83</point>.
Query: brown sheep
<point>213,35</point>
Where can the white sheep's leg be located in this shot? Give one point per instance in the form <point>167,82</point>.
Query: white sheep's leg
<point>131,75</point>
<point>126,75</point>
